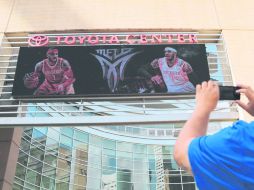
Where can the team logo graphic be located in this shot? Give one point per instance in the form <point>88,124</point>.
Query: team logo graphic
<point>38,41</point>
<point>113,63</point>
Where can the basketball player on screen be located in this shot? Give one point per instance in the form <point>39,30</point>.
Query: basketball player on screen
<point>58,76</point>
<point>170,73</point>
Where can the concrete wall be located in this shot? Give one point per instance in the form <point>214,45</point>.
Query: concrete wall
<point>9,151</point>
<point>44,15</point>
<point>112,14</point>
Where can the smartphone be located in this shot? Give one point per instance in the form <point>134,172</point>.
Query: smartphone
<point>229,93</point>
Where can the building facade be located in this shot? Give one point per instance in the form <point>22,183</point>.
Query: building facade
<point>120,144</point>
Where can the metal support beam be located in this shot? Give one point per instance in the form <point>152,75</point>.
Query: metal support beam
<point>107,120</point>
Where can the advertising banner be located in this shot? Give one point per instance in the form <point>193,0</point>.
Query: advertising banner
<point>110,70</point>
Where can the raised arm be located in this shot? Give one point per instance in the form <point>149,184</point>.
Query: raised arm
<point>191,74</point>
<point>68,74</point>
<point>187,67</point>
<point>207,96</point>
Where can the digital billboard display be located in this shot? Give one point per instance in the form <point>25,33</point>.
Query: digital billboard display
<point>109,70</point>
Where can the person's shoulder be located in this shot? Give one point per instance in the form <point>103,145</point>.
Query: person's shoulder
<point>65,62</point>
<point>181,61</point>
<point>39,65</point>
<point>155,63</point>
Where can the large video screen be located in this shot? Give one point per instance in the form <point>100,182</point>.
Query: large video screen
<point>110,70</point>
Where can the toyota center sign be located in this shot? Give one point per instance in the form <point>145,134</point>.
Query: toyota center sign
<point>130,39</point>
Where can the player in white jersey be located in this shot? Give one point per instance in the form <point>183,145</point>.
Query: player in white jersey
<point>173,73</point>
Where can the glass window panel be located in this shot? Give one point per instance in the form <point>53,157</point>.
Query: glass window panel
<point>20,171</point>
<point>109,171</point>
<point>80,180</point>
<point>166,150</point>
<point>123,146</point>
<point>39,139</point>
<point>96,141</point>
<point>52,144</point>
<point>36,153</point>
<point>28,134</point>
<point>187,178</point>
<point>51,151</point>
<point>109,144</point>
<point>124,160</point>
<point>139,148</point>
<point>67,131</point>
<point>49,171</point>
<point>24,145</point>
<point>17,186</point>
<point>33,177</point>
<point>65,153</point>
<point>35,164</point>
<point>124,175</point>
<point>48,183</point>
<point>80,169</point>
<point>81,136</point>
<point>139,156</point>
<point>62,186</point>
<point>189,187</point>
<point>124,185</point>
<point>140,166</point>
<point>150,149</point>
<point>94,172</point>
<point>108,161</point>
<point>124,179</point>
<point>174,186</point>
<point>80,156</point>
<point>64,164</point>
<point>126,155</point>
<point>50,159</point>
<point>63,175</point>
<point>93,184</point>
<point>23,158</point>
<point>108,180</point>
<point>151,164</point>
<point>31,186</point>
<point>109,152</point>
<point>93,150</point>
<point>53,133</point>
<point>174,178</point>
<point>40,143</point>
<point>37,134</point>
<point>43,130</point>
<point>77,187</point>
<point>94,160</point>
<point>80,145</point>
<point>141,178</point>
<point>66,142</point>
<point>153,187</point>
<point>19,181</point>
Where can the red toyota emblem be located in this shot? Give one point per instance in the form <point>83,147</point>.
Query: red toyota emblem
<point>38,41</point>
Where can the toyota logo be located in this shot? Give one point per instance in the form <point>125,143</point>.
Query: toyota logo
<point>38,41</point>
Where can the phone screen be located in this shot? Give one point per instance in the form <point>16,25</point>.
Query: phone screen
<point>229,93</point>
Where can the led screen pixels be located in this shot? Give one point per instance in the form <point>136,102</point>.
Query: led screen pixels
<point>109,70</point>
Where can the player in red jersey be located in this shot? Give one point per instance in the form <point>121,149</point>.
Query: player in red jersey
<point>58,76</point>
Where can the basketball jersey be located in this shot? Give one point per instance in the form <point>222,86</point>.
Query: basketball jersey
<point>174,77</point>
<point>53,74</point>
